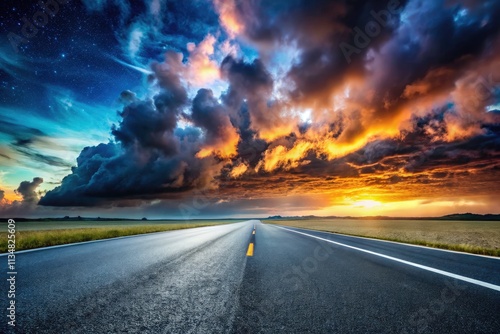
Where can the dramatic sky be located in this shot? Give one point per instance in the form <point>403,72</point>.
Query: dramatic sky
<point>212,108</point>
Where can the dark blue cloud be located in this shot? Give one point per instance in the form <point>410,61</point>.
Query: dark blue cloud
<point>148,158</point>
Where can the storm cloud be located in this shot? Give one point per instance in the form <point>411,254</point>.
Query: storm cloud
<point>28,189</point>
<point>414,106</point>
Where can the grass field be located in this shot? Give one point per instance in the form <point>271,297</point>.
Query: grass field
<point>41,234</point>
<point>479,237</point>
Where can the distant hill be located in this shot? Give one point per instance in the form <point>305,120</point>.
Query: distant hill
<point>67,218</point>
<point>470,216</point>
<point>455,216</point>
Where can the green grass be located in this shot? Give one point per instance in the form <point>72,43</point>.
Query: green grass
<point>29,239</point>
<point>477,237</point>
<point>73,224</point>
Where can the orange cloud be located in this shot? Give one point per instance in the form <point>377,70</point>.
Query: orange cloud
<point>202,69</point>
<point>281,157</point>
<point>435,81</point>
<point>271,130</point>
<point>229,17</point>
<point>224,148</point>
<point>8,196</point>
<point>238,170</point>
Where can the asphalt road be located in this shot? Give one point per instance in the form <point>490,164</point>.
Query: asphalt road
<point>210,280</point>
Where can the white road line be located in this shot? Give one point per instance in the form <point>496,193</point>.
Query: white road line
<point>434,270</point>
<point>402,243</point>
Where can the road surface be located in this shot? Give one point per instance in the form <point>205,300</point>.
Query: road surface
<point>251,277</point>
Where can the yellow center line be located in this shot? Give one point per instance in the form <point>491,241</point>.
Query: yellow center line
<point>250,249</point>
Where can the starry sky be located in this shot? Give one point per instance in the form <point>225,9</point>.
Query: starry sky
<point>230,108</point>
